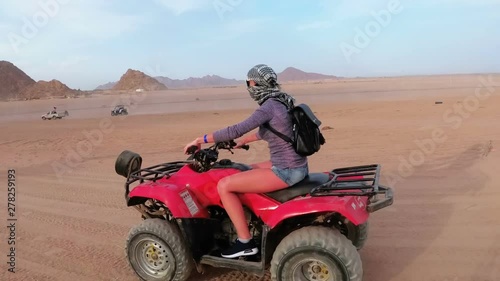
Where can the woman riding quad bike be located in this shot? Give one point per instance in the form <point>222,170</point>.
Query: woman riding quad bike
<point>285,168</point>
<point>272,216</point>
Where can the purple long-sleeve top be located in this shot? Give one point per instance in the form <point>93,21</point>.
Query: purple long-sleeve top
<point>282,153</point>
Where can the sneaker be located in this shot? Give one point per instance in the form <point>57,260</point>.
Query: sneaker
<point>240,249</point>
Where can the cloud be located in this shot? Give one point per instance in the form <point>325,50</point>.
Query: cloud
<point>245,25</point>
<point>315,25</point>
<point>182,6</point>
<point>5,48</point>
<point>353,9</point>
<point>67,63</point>
<point>233,30</point>
<point>349,9</point>
<point>471,2</point>
<point>80,18</point>
<point>95,20</point>
<point>18,9</point>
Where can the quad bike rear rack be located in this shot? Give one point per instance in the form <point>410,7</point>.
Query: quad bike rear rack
<point>357,181</point>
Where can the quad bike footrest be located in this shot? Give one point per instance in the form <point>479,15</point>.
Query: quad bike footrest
<point>255,268</point>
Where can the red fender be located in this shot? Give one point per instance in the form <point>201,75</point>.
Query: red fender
<point>180,201</point>
<point>351,207</point>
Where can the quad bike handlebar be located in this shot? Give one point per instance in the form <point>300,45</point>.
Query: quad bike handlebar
<point>204,159</point>
<point>220,145</point>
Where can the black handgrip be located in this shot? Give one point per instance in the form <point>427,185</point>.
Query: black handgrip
<point>232,143</point>
<point>192,149</point>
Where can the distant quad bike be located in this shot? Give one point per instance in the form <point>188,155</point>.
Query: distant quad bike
<point>51,115</point>
<point>309,231</point>
<point>119,110</point>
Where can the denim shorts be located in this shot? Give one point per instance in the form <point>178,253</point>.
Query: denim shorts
<point>291,175</point>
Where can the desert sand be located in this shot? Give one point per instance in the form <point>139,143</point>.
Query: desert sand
<point>443,226</point>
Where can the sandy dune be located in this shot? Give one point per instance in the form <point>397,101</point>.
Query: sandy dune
<point>444,224</point>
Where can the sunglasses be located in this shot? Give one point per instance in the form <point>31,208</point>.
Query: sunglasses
<point>248,83</point>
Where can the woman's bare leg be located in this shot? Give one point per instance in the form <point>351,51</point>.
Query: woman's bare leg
<point>245,183</point>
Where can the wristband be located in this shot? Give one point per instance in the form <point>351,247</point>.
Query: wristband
<point>205,138</point>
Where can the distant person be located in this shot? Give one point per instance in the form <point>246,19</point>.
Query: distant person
<point>285,167</point>
<point>54,111</point>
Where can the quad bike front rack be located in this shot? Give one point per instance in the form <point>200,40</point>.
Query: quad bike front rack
<point>357,181</point>
<point>153,174</point>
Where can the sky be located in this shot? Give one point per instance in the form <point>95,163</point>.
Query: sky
<point>86,43</point>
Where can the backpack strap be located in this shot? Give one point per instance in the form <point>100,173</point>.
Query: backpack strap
<point>283,137</point>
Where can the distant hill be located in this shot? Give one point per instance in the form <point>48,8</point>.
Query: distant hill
<point>205,81</point>
<point>287,75</point>
<point>107,86</point>
<point>134,79</point>
<point>294,74</point>
<point>12,81</point>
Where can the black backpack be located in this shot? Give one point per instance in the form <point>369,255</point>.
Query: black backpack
<point>307,138</point>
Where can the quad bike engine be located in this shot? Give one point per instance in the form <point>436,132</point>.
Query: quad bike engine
<point>230,231</point>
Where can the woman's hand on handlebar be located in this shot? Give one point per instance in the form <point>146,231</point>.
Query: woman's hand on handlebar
<point>193,143</point>
<point>242,145</point>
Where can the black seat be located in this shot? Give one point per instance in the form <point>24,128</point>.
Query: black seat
<point>299,189</point>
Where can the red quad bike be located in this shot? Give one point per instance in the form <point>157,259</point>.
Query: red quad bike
<point>309,231</point>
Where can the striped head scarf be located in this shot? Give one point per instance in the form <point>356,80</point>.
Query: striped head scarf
<point>266,86</point>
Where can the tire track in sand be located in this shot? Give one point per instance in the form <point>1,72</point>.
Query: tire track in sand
<point>80,225</point>
<point>80,210</point>
<point>97,262</point>
<point>84,191</point>
<point>67,250</point>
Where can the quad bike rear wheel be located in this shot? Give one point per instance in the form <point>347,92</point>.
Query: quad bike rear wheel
<point>156,251</point>
<point>358,234</point>
<point>316,253</point>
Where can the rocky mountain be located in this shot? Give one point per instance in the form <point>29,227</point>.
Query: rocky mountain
<point>47,89</point>
<point>287,75</point>
<point>12,81</point>
<point>134,79</point>
<point>294,74</point>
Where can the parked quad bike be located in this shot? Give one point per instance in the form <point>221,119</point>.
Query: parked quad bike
<point>309,231</point>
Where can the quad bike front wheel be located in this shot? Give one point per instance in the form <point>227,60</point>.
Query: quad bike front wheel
<point>157,252</point>
<point>316,253</point>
